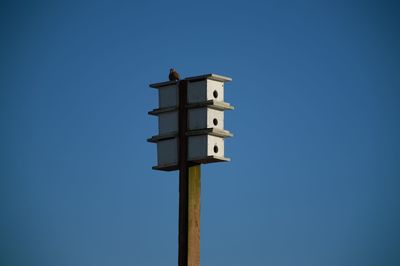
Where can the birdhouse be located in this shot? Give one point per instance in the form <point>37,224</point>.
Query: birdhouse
<point>204,110</point>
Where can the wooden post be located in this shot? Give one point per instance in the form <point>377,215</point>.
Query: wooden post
<point>189,193</point>
<point>194,216</point>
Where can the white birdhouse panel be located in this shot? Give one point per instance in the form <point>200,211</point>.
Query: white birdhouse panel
<point>167,151</point>
<point>215,90</point>
<point>168,122</point>
<point>197,118</point>
<point>201,118</point>
<point>197,147</point>
<point>202,146</point>
<point>168,96</point>
<point>197,91</point>
<point>215,119</point>
<point>204,90</point>
<point>215,146</point>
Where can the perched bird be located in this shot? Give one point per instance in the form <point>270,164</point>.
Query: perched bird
<point>173,75</point>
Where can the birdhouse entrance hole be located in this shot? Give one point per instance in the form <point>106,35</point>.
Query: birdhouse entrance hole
<point>215,149</point>
<point>215,94</point>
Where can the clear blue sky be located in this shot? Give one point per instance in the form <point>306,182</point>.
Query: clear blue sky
<point>315,172</point>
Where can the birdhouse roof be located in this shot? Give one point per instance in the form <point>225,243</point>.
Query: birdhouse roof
<point>192,79</point>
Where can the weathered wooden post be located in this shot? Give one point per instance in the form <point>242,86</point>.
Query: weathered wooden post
<point>190,132</point>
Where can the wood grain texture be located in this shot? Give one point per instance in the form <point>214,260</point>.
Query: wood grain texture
<point>194,216</point>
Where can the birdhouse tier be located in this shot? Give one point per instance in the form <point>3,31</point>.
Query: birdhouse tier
<point>199,117</point>
<point>213,104</point>
<point>206,131</point>
<point>200,89</point>
<point>201,149</point>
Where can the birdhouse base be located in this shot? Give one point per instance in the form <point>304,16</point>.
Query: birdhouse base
<point>208,159</point>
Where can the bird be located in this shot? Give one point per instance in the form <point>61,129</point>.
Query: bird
<point>173,75</point>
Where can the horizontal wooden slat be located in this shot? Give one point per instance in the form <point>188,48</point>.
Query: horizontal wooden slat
<point>213,104</point>
<point>205,160</point>
<point>210,131</point>
<point>216,77</point>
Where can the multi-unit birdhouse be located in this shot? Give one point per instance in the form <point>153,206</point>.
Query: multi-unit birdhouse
<point>201,117</point>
